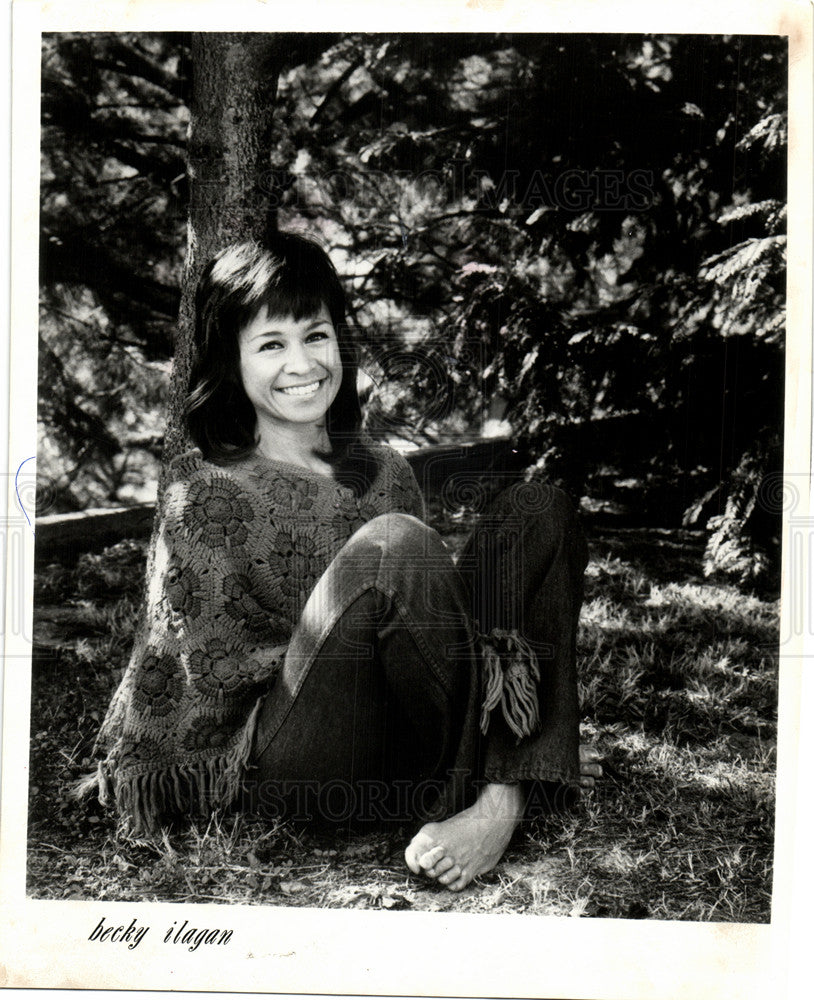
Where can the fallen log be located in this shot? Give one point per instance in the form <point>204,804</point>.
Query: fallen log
<point>64,537</point>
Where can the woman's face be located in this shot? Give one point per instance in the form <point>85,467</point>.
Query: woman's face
<point>290,369</point>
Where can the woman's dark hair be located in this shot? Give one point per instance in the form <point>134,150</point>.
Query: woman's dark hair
<point>291,276</point>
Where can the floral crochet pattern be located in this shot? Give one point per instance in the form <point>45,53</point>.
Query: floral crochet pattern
<point>241,607</point>
<point>302,493</point>
<point>183,589</point>
<point>137,753</point>
<point>219,669</point>
<point>217,513</point>
<point>204,733</point>
<point>295,560</point>
<point>159,685</point>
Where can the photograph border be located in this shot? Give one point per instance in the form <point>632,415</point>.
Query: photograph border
<point>44,943</point>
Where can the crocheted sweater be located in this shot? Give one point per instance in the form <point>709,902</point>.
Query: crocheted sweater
<point>238,550</point>
<point>236,555</point>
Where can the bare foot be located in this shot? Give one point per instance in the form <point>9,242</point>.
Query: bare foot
<point>473,841</point>
<point>589,767</point>
<point>469,843</point>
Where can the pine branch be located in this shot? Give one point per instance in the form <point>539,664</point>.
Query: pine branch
<point>134,61</point>
<point>73,259</point>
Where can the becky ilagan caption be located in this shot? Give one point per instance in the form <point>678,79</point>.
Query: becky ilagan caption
<point>133,934</point>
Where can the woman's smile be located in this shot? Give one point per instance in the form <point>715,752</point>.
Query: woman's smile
<point>301,390</point>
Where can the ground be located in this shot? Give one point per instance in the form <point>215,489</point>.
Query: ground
<point>678,686</point>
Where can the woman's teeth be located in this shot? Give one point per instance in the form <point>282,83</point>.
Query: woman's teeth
<point>301,390</point>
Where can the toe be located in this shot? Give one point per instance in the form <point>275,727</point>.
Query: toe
<point>417,847</point>
<point>421,843</point>
<point>432,857</point>
<point>441,867</point>
<point>412,860</point>
<point>461,882</point>
<point>450,876</point>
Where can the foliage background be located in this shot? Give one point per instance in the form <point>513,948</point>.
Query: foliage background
<point>575,240</point>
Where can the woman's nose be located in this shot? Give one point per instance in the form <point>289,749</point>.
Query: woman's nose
<point>297,359</point>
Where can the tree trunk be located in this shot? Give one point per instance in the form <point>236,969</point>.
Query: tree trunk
<point>234,87</point>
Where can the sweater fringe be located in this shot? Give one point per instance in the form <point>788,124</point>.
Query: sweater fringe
<point>511,673</point>
<point>143,799</point>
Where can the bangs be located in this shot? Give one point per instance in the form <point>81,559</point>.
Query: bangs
<point>290,294</point>
<point>290,277</point>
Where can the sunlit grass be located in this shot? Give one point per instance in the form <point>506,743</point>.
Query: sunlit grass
<point>678,686</point>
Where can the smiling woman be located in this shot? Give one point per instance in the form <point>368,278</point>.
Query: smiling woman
<point>309,647</point>
<point>270,320</point>
<point>291,371</point>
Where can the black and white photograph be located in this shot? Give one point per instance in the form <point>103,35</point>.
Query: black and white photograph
<point>409,512</point>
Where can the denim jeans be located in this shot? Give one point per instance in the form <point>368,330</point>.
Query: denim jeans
<point>376,714</point>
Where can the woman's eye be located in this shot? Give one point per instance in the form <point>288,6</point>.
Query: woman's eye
<point>269,344</point>
<point>318,335</point>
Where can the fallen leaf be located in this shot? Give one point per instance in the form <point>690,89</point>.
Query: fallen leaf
<point>396,902</point>
<point>291,887</point>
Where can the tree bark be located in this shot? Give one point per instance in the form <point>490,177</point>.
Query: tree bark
<point>234,87</point>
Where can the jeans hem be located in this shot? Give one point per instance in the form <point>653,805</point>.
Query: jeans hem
<point>511,775</point>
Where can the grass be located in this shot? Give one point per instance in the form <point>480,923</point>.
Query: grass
<point>678,685</point>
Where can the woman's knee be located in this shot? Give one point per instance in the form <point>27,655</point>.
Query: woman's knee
<point>410,558</point>
<point>540,517</point>
<point>539,500</point>
<point>557,524</point>
<point>401,536</point>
